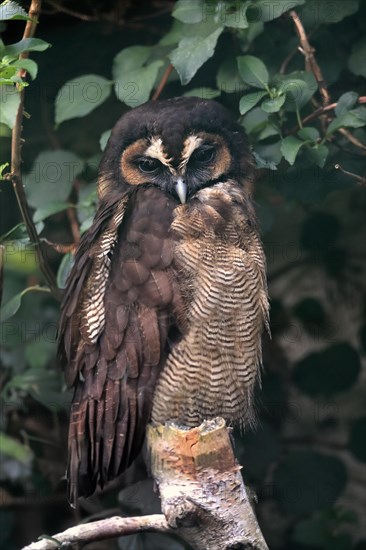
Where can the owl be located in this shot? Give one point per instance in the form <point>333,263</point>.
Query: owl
<point>166,301</point>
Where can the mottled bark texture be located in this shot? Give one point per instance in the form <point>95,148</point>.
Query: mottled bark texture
<point>203,496</point>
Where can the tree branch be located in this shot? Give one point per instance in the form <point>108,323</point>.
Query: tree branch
<point>15,175</point>
<point>101,530</point>
<point>321,111</point>
<point>308,51</point>
<point>203,496</point>
<point>163,82</point>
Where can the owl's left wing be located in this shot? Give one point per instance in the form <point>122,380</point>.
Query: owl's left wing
<point>114,326</point>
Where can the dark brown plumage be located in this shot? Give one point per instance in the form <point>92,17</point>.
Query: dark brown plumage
<point>166,301</point>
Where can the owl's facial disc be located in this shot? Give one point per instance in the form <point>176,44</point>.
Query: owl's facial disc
<point>204,159</point>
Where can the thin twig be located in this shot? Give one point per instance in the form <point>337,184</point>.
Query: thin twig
<point>163,82</point>
<point>60,248</point>
<point>308,51</point>
<point>101,530</point>
<point>15,175</point>
<point>74,225</point>
<point>72,13</point>
<point>321,111</point>
<point>360,180</point>
<point>112,17</point>
<point>292,54</point>
<point>356,142</point>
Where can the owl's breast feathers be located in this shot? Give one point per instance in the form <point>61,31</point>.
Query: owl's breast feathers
<point>162,319</point>
<point>220,265</point>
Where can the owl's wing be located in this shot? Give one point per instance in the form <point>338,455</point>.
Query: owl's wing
<point>114,326</point>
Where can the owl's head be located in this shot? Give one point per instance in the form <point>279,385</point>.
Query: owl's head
<point>179,145</point>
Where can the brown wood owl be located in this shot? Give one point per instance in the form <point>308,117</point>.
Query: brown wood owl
<point>166,301</point>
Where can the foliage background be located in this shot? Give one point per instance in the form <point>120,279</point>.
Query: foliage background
<point>306,460</point>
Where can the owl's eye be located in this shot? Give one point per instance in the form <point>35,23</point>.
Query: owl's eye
<point>149,165</point>
<point>203,154</point>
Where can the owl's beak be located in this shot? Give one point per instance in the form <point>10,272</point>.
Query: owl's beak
<point>181,189</point>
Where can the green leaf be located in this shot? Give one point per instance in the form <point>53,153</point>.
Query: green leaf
<point>350,119</point>
<point>86,224</point>
<point>253,71</point>
<point>270,153</point>
<point>318,154</point>
<point>86,206</point>
<point>9,105</point>
<point>174,35</point>
<point>269,130</point>
<point>51,177</point>
<point>43,385</point>
<point>255,120</point>
<point>49,209</point>
<point>134,87</point>
<point>3,167</point>
<point>357,440</point>
<point>228,79</point>
<point>13,448</point>
<point>308,133</point>
<point>133,81</point>
<point>263,10</point>
<point>26,45</point>
<point>307,481</point>
<point>263,163</point>
<point>203,93</point>
<point>29,65</point>
<point>248,101</point>
<point>11,307</point>
<point>346,102</point>
<point>273,159</point>
<point>190,11</point>
<point>290,147</point>
<point>356,61</point>
<point>11,10</point>
<point>129,59</point>
<point>326,373</point>
<point>103,140</point>
<point>192,52</point>
<point>273,105</point>
<point>80,96</point>
<point>64,269</point>
<point>299,87</point>
<point>297,93</point>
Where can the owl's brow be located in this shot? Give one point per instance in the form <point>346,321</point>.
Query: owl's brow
<point>156,150</point>
<point>190,144</point>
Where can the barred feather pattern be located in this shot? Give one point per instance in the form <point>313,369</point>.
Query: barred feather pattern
<point>221,266</point>
<point>92,309</point>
